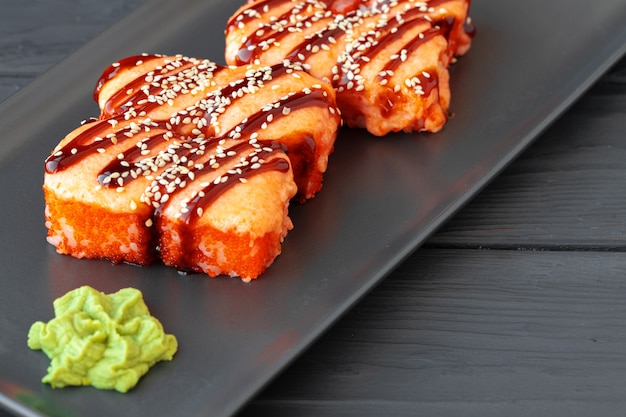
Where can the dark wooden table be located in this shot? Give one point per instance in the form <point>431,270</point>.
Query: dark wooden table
<point>517,306</point>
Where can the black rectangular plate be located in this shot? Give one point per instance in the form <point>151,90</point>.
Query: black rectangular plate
<point>382,198</point>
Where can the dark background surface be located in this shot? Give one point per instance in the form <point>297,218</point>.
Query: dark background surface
<point>515,307</point>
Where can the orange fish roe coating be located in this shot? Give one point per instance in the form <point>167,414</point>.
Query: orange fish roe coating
<point>231,231</point>
<point>90,231</point>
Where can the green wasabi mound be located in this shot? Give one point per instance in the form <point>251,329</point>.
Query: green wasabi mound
<point>108,341</point>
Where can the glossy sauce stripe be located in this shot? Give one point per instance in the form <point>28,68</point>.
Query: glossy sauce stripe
<point>189,137</point>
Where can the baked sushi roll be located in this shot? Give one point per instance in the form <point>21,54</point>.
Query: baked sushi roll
<point>190,162</point>
<point>387,60</point>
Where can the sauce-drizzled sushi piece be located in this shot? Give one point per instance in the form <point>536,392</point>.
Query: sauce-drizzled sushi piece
<point>387,59</point>
<point>191,162</point>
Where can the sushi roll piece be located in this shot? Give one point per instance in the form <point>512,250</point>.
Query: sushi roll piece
<point>386,59</point>
<point>190,162</point>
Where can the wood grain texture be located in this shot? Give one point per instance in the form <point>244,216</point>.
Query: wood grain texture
<point>472,333</point>
<point>36,34</point>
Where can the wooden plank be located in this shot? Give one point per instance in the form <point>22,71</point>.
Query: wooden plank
<point>36,35</point>
<point>11,84</point>
<point>471,332</point>
<point>567,190</point>
<point>617,74</point>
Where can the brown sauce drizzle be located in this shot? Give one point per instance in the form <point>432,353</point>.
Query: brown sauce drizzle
<point>112,70</point>
<point>250,49</point>
<point>304,50</point>
<point>125,99</point>
<point>428,81</point>
<point>351,10</point>
<point>259,7</point>
<point>127,166</point>
<point>123,166</point>
<point>80,146</point>
<point>343,6</point>
<point>213,190</point>
<point>470,28</point>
